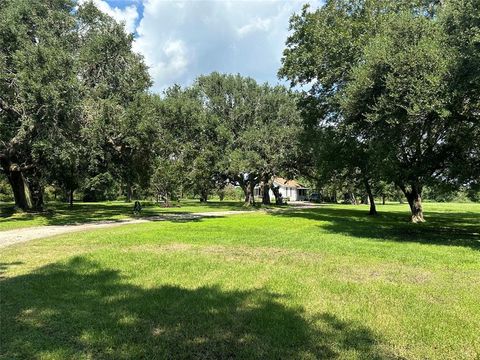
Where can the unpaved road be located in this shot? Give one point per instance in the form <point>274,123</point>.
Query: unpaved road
<point>16,236</point>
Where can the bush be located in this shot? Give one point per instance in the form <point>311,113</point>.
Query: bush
<point>5,191</point>
<point>231,192</point>
<point>100,188</point>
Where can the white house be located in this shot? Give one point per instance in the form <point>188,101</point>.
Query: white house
<point>290,189</point>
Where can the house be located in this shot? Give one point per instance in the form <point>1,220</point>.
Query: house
<point>290,189</point>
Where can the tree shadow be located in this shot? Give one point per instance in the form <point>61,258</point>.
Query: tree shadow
<point>455,229</point>
<point>84,213</point>
<point>7,211</point>
<point>78,309</point>
<point>4,266</point>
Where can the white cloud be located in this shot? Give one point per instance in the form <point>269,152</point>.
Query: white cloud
<point>181,39</point>
<point>170,62</point>
<point>128,15</point>
<point>256,24</point>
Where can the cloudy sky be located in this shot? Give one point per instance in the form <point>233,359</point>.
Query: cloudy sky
<point>181,39</point>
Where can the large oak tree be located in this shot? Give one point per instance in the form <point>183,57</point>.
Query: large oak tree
<point>387,72</point>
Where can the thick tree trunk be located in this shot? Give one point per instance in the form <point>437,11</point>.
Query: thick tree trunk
<point>373,208</point>
<point>265,191</point>
<point>28,196</point>
<point>415,202</point>
<point>21,191</point>
<point>414,198</point>
<point>276,193</point>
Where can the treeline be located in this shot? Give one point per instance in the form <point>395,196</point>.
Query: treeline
<point>391,105</point>
<point>76,114</point>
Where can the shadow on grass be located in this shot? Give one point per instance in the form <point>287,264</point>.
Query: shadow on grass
<point>63,214</point>
<point>457,229</point>
<point>4,266</point>
<point>79,309</point>
<point>80,213</point>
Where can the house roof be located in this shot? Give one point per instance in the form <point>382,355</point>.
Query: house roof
<point>288,183</point>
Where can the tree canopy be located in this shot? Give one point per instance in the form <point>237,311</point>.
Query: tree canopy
<point>387,77</point>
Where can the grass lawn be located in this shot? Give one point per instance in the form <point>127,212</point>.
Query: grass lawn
<point>58,213</point>
<point>329,282</point>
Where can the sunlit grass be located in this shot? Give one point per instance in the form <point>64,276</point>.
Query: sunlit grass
<point>327,283</point>
<point>57,213</point>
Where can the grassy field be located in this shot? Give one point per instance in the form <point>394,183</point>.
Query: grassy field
<point>328,282</point>
<point>58,213</point>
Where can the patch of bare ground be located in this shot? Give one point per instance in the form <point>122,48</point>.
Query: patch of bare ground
<point>394,273</point>
<point>234,253</point>
<point>390,273</point>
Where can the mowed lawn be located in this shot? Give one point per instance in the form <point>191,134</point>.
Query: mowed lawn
<point>58,213</point>
<point>329,282</point>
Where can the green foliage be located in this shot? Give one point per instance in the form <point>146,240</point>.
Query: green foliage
<point>166,180</point>
<point>74,101</point>
<point>5,191</point>
<point>40,89</point>
<point>386,80</point>
<point>99,188</point>
<point>227,129</point>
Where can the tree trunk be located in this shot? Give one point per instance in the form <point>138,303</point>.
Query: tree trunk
<point>247,195</point>
<point>373,208</point>
<point>265,188</point>
<point>20,187</point>
<point>203,197</point>
<point>383,199</point>
<point>36,191</point>
<point>129,192</point>
<point>353,199</point>
<point>414,198</point>
<point>415,202</point>
<point>251,192</point>
<point>70,198</point>
<point>276,193</point>
<point>244,187</point>
<point>21,191</point>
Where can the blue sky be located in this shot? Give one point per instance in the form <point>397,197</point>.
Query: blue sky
<point>181,39</point>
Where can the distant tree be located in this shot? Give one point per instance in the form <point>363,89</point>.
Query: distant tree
<point>191,136</point>
<point>165,182</point>
<point>233,100</point>
<point>275,137</point>
<point>258,126</point>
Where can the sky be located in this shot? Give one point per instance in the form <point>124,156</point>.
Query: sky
<point>181,39</point>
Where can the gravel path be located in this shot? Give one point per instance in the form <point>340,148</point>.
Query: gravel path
<point>16,236</point>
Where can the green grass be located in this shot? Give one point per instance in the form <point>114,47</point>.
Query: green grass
<point>329,282</point>
<point>57,213</point>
